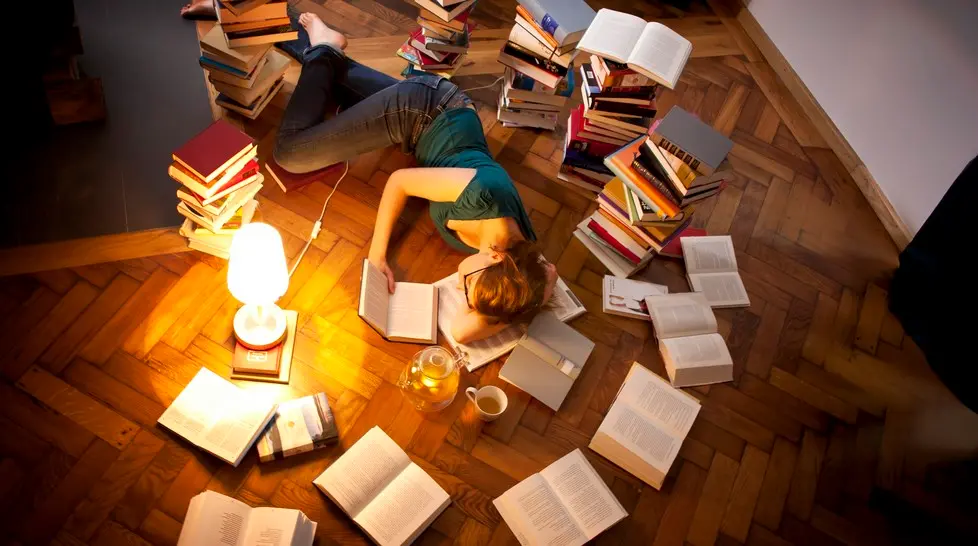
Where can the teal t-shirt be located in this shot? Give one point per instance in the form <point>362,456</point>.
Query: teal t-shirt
<point>455,139</point>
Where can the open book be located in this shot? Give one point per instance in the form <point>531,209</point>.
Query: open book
<point>711,266</point>
<point>564,305</point>
<point>626,298</point>
<point>651,49</point>
<point>545,363</point>
<point>565,504</point>
<point>409,314</point>
<point>213,519</point>
<point>645,426</point>
<point>693,352</point>
<point>382,490</point>
<point>217,416</point>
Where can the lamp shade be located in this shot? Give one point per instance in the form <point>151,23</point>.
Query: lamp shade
<point>257,274</point>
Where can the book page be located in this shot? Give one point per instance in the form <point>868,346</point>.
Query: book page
<point>627,297</point>
<point>555,342</point>
<point>676,315</point>
<point>696,351</point>
<point>709,254</point>
<point>363,471</point>
<point>374,297</point>
<point>406,506</point>
<point>658,401</point>
<point>661,52</point>
<point>410,312</point>
<point>271,527</point>
<point>583,493</point>
<point>612,34</point>
<point>214,520</point>
<point>540,516</point>
<point>216,415</point>
<point>641,436</point>
<point>721,289</point>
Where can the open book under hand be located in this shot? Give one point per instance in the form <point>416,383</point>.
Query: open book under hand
<point>651,49</point>
<point>564,305</point>
<point>390,497</point>
<point>406,315</point>
<point>711,266</point>
<point>547,361</point>
<point>216,519</point>
<point>217,416</point>
<point>645,426</point>
<point>693,352</point>
<point>566,503</point>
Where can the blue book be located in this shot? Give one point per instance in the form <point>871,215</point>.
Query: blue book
<point>207,62</point>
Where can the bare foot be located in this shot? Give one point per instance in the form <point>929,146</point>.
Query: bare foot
<point>197,9</point>
<point>319,33</point>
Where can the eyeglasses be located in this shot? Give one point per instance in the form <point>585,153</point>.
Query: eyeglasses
<point>465,284</point>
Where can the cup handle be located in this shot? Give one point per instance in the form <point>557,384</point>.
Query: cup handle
<point>470,393</point>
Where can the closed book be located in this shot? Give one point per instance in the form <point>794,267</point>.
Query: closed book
<point>253,110</point>
<point>665,189</point>
<point>702,147</point>
<point>618,243</point>
<point>445,13</point>
<point>267,10</point>
<point>575,123</point>
<point>240,7</point>
<point>458,44</point>
<point>299,426</point>
<point>271,72</point>
<point>217,66</point>
<point>542,70</point>
<point>213,150</point>
<point>251,361</point>
<point>522,39</point>
<point>239,174</point>
<point>675,247</point>
<point>526,19</point>
<point>215,46</point>
<point>636,126</point>
<point>578,181</point>
<point>237,80</point>
<point>565,20</point>
<point>455,24</point>
<point>268,35</point>
<point>621,164</point>
<point>419,43</point>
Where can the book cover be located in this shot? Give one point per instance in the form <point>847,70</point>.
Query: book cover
<point>214,45</point>
<point>299,426</point>
<point>675,247</point>
<point>619,246</point>
<point>565,20</point>
<point>251,361</point>
<point>213,149</point>
<point>621,163</point>
<point>688,133</point>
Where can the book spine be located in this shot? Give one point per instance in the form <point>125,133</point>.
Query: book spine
<point>686,157</point>
<point>663,188</point>
<point>666,208</point>
<point>613,243</point>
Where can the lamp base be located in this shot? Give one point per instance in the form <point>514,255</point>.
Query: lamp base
<point>260,327</point>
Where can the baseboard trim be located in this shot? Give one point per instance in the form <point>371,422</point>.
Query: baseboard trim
<point>870,189</point>
<point>91,250</point>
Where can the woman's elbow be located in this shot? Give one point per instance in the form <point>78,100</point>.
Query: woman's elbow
<point>464,335</point>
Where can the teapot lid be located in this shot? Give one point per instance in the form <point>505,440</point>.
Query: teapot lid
<point>435,362</point>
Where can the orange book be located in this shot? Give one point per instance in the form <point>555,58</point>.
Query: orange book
<point>522,12</point>
<point>624,170</point>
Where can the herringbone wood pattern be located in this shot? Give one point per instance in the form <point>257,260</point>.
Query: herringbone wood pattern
<point>790,452</point>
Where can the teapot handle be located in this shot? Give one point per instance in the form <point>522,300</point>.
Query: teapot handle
<point>470,393</point>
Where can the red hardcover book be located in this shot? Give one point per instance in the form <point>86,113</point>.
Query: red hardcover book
<point>574,125</point>
<point>251,361</point>
<point>428,62</point>
<point>606,237</point>
<point>675,247</point>
<point>210,152</point>
<point>290,181</point>
<point>250,169</point>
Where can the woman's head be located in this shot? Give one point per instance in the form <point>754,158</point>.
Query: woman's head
<point>508,285</point>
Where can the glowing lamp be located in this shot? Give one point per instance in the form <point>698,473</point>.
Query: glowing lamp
<point>258,277</point>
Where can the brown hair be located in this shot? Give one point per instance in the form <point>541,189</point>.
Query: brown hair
<point>512,290</point>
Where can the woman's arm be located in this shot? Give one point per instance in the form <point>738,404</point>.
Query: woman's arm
<point>433,184</point>
<point>469,326</point>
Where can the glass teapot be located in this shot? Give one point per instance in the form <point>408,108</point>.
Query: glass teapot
<point>430,380</point>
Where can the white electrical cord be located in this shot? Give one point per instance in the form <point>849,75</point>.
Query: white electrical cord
<point>499,79</point>
<point>318,226</point>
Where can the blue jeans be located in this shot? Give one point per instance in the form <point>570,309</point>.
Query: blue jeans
<point>376,111</point>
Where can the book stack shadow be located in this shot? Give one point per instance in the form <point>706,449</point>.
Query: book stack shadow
<point>439,44</point>
<point>238,56</point>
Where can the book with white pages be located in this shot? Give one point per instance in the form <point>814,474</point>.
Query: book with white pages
<point>711,267</point>
<point>563,304</point>
<point>645,426</point>
<point>547,361</point>
<point>218,417</point>
<point>626,297</point>
<point>566,504</point>
<point>408,315</point>
<point>651,49</point>
<point>385,493</point>
<point>693,351</point>
<point>213,518</point>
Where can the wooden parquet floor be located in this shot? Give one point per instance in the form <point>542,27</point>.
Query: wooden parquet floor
<point>823,415</point>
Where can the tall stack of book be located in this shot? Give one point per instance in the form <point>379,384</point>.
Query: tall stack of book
<point>218,173</point>
<point>255,22</point>
<point>440,42</point>
<point>538,55</point>
<point>245,71</point>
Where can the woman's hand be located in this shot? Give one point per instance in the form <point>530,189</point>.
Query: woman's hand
<point>380,262</point>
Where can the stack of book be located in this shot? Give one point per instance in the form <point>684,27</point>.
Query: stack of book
<point>218,173</point>
<point>538,55</point>
<point>246,78</point>
<point>630,61</point>
<point>695,153</point>
<point>253,22</point>
<point>583,163</point>
<point>439,44</point>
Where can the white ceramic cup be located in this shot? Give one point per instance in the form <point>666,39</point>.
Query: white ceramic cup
<point>494,393</point>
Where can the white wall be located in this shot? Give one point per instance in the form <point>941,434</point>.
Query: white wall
<point>898,77</point>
